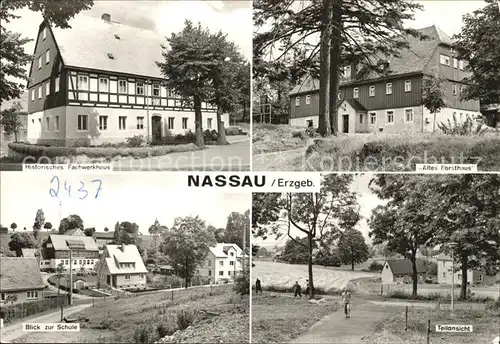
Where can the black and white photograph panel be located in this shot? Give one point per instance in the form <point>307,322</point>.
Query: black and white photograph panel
<point>122,259</point>
<point>145,85</point>
<point>378,259</point>
<point>375,85</point>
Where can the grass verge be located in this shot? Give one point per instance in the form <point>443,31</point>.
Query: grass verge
<point>268,138</point>
<point>280,318</point>
<point>484,324</point>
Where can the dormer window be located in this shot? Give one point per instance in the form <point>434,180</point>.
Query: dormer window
<point>111,56</point>
<point>117,36</point>
<point>44,33</point>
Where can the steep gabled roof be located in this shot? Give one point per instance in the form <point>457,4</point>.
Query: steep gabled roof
<point>104,235</point>
<point>20,274</point>
<point>61,242</point>
<point>411,60</point>
<point>220,250</point>
<point>356,105</point>
<point>90,42</point>
<point>30,252</point>
<point>123,254</point>
<point>403,266</point>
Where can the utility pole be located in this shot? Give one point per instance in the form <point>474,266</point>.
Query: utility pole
<point>70,277</point>
<point>452,281</point>
<point>147,109</point>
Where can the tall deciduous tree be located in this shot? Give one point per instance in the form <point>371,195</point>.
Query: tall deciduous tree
<point>479,45</point>
<point>13,226</point>
<point>266,209</point>
<point>238,224</point>
<point>14,58</point>
<point>47,226</point>
<point>345,32</point>
<point>11,120</point>
<point>352,247</point>
<point>433,93</point>
<point>404,222</point>
<point>71,222</point>
<point>89,231</point>
<point>186,245</point>
<point>18,241</point>
<point>39,222</point>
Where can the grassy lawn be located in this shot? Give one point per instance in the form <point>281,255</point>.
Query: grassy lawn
<point>394,152</point>
<point>277,137</point>
<point>280,318</point>
<point>140,319</point>
<point>485,327</point>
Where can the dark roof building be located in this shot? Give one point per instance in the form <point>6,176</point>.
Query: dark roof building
<point>20,274</point>
<point>390,100</point>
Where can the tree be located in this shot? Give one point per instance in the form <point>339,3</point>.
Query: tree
<point>13,226</point>
<point>266,209</point>
<point>106,229</point>
<point>186,245</point>
<point>89,231</point>
<point>47,226</point>
<point>433,94</point>
<point>478,44</point>
<point>315,214</point>
<point>11,298</point>
<point>242,84</point>
<point>218,233</point>
<point>403,222</point>
<point>71,222</point>
<point>237,225</point>
<point>11,120</point>
<point>126,233</point>
<point>188,66</point>
<point>18,241</point>
<point>357,33</point>
<point>14,58</point>
<point>466,211</point>
<point>296,251</point>
<point>155,230</point>
<point>39,222</point>
<point>263,252</point>
<point>352,247</point>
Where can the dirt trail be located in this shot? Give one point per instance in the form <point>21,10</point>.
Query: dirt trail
<point>334,328</point>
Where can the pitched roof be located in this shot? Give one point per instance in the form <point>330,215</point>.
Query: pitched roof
<point>220,250</point>
<point>89,41</point>
<point>62,242</point>
<point>403,266</point>
<point>411,60</point>
<point>75,232</point>
<point>118,254</point>
<point>20,274</point>
<point>356,105</point>
<point>104,235</point>
<point>29,252</point>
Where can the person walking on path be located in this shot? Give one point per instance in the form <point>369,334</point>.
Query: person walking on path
<point>346,299</point>
<point>258,286</point>
<point>297,289</point>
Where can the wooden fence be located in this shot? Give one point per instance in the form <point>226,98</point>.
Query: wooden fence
<point>25,309</point>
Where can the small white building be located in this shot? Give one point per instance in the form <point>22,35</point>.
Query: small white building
<point>396,271</point>
<point>121,267</point>
<point>222,263</point>
<point>445,266</point>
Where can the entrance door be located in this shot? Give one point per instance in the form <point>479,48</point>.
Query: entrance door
<point>345,123</point>
<point>156,128</point>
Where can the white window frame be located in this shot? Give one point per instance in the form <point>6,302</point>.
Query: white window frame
<point>361,115</point>
<point>82,130</point>
<point>444,60</point>
<point>374,115</point>
<point>407,85</point>
<point>47,88</point>
<point>454,89</point>
<point>101,79</point>
<point>461,64</point>
<point>140,122</point>
<point>40,91</point>
<point>119,86</point>
<point>156,87</point>
<point>33,94</point>
<point>412,115</point>
<point>308,99</point>
<point>297,101</point>
<point>44,33</point>
<point>221,273</point>
<point>120,120</point>
<point>185,122</point>
<point>47,123</point>
<point>139,86</point>
<point>209,123</point>
<point>105,122</point>
<point>170,123</point>
<point>346,71</point>
<point>57,84</point>
<point>339,95</point>
<point>40,62</point>
<point>56,123</point>
<point>80,82</point>
<point>355,92</point>
<point>455,62</point>
<point>371,91</point>
<point>388,88</point>
<point>387,117</point>
<point>47,56</point>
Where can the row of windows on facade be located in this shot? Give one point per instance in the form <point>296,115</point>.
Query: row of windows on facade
<point>83,123</point>
<point>29,295</point>
<point>388,91</point>
<point>221,262</point>
<point>459,276</point>
<point>221,273</point>
<point>79,261</point>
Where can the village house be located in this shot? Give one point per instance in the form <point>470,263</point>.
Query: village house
<point>396,271</point>
<point>20,280</point>
<point>103,238</point>
<point>390,100</point>
<point>98,82</point>
<point>222,263</point>
<point>121,267</point>
<point>84,252</point>
<point>445,275</point>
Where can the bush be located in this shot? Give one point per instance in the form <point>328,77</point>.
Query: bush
<point>375,266</point>
<point>311,132</point>
<point>164,330</point>
<point>233,131</point>
<point>145,334</point>
<point>210,135</point>
<point>242,284</point>
<point>465,128</point>
<point>135,141</point>
<point>185,318</point>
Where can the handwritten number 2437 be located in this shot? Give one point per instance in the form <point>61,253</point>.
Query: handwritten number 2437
<point>83,193</point>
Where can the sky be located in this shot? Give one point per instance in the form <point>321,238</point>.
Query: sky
<point>231,17</point>
<point>366,200</point>
<point>134,197</point>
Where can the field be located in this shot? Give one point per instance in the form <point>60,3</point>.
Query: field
<point>281,275</point>
<point>278,319</point>
<point>485,327</point>
<point>143,318</point>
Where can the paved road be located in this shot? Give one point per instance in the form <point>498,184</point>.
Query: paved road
<point>14,331</point>
<point>45,277</point>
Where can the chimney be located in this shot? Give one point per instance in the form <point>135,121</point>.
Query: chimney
<point>106,17</point>
<point>122,247</point>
